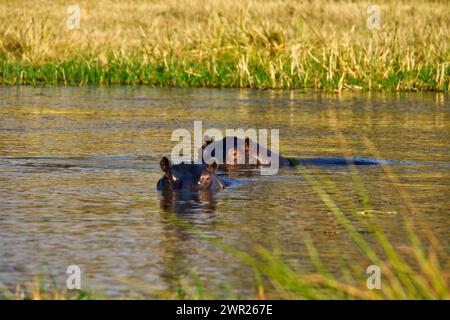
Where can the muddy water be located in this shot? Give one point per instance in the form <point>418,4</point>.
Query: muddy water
<point>79,166</point>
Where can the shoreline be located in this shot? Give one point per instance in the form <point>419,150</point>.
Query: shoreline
<point>324,45</point>
<point>177,76</point>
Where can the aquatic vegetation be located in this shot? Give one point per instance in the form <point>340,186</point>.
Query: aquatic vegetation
<point>419,270</point>
<point>426,278</point>
<point>262,44</point>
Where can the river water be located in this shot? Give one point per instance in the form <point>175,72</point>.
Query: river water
<point>79,166</point>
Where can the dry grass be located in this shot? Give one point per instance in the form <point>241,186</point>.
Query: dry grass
<point>44,288</point>
<point>274,43</point>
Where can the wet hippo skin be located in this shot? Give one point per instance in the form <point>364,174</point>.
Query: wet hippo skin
<point>189,177</point>
<point>257,155</point>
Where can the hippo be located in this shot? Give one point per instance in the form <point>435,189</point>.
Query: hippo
<point>249,155</point>
<point>257,155</point>
<point>190,177</point>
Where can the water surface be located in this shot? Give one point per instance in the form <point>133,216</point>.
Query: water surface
<point>79,166</point>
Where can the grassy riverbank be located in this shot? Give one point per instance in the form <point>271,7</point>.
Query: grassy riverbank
<point>199,43</point>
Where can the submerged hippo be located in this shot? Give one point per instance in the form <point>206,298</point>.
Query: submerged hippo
<point>189,177</point>
<point>245,154</point>
<point>241,153</point>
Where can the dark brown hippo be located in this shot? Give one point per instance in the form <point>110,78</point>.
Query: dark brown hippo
<point>246,154</point>
<point>240,153</point>
<point>190,177</point>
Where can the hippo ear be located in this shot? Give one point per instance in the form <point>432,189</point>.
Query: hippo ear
<point>165,164</point>
<point>212,167</point>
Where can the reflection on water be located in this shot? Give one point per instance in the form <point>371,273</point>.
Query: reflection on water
<point>183,203</point>
<point>79,166</point>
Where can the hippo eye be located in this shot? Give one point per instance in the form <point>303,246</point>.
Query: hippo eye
<point>203,179</point>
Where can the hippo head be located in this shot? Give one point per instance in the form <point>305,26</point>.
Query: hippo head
<point>237,152</point>
<point>189,177</point>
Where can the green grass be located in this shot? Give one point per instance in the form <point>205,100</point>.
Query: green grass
<point>261,44</point>
<point>224,73</point>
